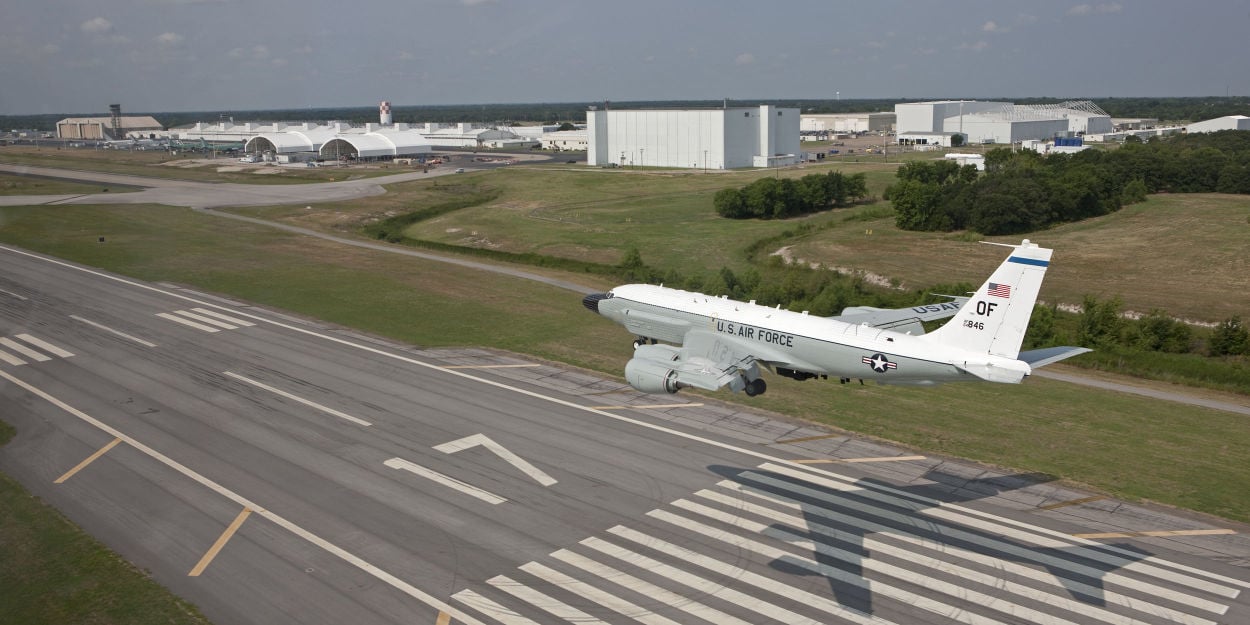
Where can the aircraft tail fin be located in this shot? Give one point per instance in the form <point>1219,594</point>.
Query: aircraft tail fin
<point>995,319</point>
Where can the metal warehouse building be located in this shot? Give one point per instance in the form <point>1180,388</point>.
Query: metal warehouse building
<point>1229,122</point>
<point>1001,122</point>
<point>141,126</point>
<point>724,138</point>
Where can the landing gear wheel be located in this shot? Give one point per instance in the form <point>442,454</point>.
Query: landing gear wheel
<point>756,387</point>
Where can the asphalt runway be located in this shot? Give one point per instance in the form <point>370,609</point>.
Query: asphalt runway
<point>272,469</point>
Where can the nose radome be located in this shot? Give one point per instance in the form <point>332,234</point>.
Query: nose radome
<point>591,302</point>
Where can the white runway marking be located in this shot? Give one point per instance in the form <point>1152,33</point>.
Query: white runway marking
<point>187,322</point>
<point>499,450</point>
<point>23,350</point>
<point>445,480</point>
<point>111,330</point>
<point>226,318</point>
<point>13,294</point>
<point>44,345</point>
<point>256,508</point>
<point>310,404</point>
<point>11,359</point>
<point>206,320</point>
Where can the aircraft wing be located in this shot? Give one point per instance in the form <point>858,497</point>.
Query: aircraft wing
<point>706,359</point>
<point>906,320</point>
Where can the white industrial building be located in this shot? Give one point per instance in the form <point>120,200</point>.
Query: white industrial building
<point>565,140</point>
<point>1228,122</point>
<point>1000,122</point>
<point>723,138</point>
<point>127,127</point>
<point>847,123</point>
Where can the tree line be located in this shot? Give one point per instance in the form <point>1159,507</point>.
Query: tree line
<point>779,198</point>
<point>1025,191</point>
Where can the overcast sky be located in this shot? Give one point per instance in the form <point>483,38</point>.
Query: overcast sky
<point>78,56</point>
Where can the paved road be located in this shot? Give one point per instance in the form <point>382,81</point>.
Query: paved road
<point>271,469</point>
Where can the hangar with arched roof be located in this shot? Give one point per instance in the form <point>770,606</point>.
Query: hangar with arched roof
<point>374,143</point>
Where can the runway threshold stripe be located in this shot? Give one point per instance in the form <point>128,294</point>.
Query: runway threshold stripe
<point>279,520</point>
<point>1029,534</point>
<point>11,359</point>
<point>221,542</point>
<point>23,350</point>
<point>187,322</point>
<point>310,404</point>
<point>721,591</point>
<point>92,458</point>
<point>542,601</point>
<point>854,460</point>
<point>1157,534</point>
<point>605,599</point>
<point>1062,586</point>
<point>208,320</point>
<point>641,587</point>
<point>111,330</point>
<point>791,495</point>
<point>491,609</point>
<point>227,318</point>
<point>42,344</point>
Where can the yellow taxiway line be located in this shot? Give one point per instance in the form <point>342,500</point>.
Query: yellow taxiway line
<point>221,542</point>
<point>92,458</point>
<point>443,619</point>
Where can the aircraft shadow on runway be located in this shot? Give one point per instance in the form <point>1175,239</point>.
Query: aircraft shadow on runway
<point>837,523</point>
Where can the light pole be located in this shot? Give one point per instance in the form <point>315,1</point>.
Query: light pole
<point>640,157</point>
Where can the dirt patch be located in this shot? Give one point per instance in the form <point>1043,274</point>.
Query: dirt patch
<point>787,255</point>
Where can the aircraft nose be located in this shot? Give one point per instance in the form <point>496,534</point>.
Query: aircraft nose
<point>591,302</point>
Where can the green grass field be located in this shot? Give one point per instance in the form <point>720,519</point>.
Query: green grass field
<point>32,185</point>
<point>52,572</point>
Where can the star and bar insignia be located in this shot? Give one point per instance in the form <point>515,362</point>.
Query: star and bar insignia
<point>879,363</point>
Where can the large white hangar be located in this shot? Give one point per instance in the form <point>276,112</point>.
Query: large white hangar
<point>1001,122</point>
<point>1228,122</point>
<point>723,138</point>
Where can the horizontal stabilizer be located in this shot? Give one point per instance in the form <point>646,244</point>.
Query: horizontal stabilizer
<point>1041,357</point>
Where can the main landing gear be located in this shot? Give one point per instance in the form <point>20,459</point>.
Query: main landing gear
<point>755,387</point>
<point>642,340</point>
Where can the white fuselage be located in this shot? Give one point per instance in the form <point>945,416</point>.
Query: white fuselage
<point>803,342</point>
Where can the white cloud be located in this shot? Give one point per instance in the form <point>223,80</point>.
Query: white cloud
<point>96,25</point>
<point>975,47</point>
<point>169,39</point>
<point>746,58</point>
<point>993,27</point>
<point>1089,9</point>
<point>258,53</point>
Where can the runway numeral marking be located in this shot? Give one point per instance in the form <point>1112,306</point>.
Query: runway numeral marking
<point>499,450</point>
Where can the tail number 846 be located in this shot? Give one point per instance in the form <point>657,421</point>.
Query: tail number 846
<point>977,325</point>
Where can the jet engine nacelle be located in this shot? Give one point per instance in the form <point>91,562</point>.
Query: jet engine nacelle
<point>651,376</point>
<point>651,370</point>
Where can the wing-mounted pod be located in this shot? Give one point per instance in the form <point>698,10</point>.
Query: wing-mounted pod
<point>653,369</point>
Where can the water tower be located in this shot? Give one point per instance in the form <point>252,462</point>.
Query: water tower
<point>384,113</point>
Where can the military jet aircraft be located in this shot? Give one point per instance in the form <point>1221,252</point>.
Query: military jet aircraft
<point>690,339</point>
